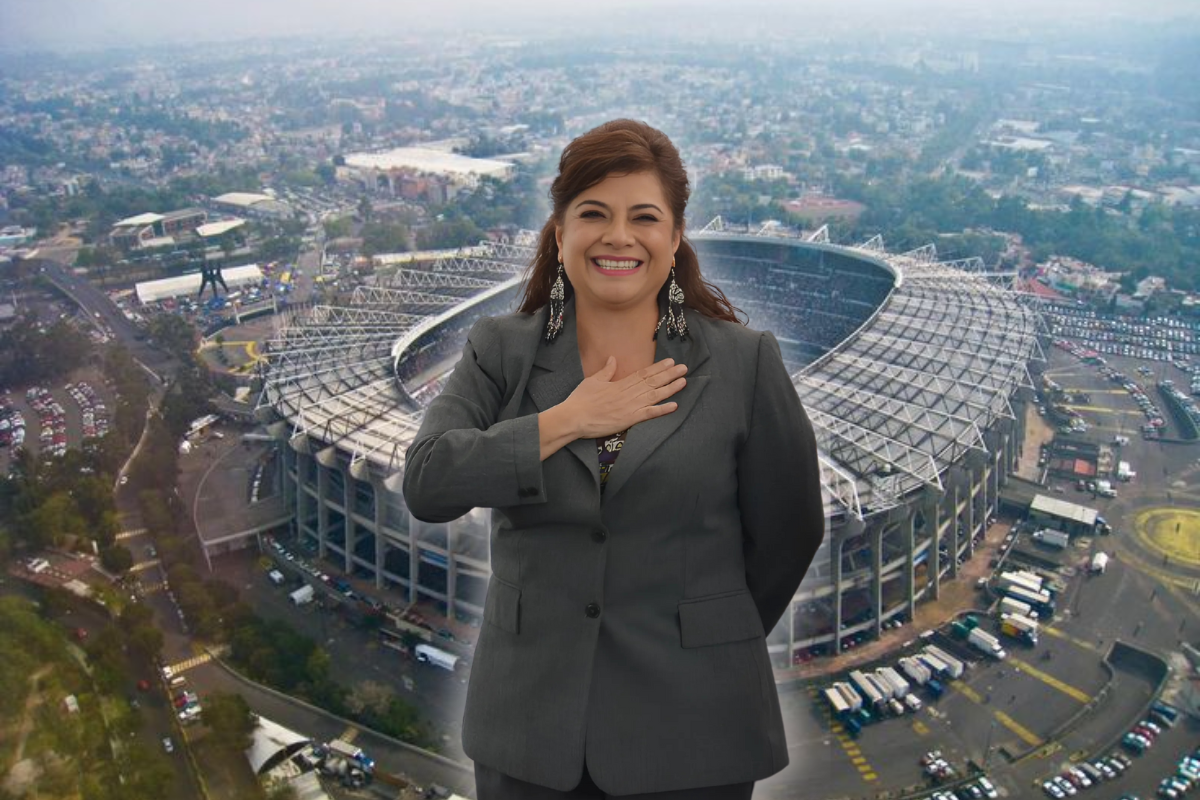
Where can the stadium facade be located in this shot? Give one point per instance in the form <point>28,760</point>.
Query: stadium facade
<point>912,370</point>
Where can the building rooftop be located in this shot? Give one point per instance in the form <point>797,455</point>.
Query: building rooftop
<point>428,160</point>
<point>242,198</point>
<point>148,218</point>
<point>218,228</point>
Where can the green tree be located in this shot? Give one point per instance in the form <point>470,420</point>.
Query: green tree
<point>54,519</point>
<point>228,717</point>
<point>381,237</point>
<point>116,558</point>
<point>174,334</point>
<point>365,209</point>
<point>338,227</point>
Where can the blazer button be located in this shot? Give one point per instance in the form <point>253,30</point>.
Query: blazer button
<point>599,534</point>
<point>531,491</point>
<point>592,610</point>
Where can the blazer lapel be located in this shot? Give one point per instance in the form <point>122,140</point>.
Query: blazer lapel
<point>563,371</point>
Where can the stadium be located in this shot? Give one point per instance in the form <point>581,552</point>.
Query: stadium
<point>911,370</point>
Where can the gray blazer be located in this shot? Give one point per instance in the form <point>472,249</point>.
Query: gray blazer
<point>629,627</point>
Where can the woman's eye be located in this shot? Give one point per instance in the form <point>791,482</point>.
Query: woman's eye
<point>644,217</point>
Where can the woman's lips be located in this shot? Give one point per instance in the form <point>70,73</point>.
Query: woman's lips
<point>610,271</point>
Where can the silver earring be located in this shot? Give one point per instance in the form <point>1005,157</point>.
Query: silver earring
<point>673,316</point>
<point>554,326</point>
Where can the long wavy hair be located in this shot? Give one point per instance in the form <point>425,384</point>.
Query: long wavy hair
<point>620,147</point>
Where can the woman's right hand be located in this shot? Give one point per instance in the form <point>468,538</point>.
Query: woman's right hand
<point>601,407</point>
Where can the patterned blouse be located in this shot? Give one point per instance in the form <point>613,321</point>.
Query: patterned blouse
<point>608,448</point>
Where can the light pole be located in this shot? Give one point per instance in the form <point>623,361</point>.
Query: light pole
<point>987,750</point>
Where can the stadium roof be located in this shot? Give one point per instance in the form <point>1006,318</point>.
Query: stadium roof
<point>894,405</point>
<point>428,160</point>
<point>153,291</point>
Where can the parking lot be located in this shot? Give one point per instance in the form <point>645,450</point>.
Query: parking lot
<point>47,420</point>
<point>1045,711</point>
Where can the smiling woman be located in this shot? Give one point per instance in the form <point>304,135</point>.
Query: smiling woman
<point>623,647</point>
<point>617,247</point>
<point>615,242</point>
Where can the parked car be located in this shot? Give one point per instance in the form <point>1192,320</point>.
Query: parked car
<point>1052,790</point>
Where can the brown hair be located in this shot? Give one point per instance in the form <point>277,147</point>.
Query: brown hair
<point>622,146</point>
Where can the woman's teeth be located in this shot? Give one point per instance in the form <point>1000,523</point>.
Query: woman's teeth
<point>603,262</point>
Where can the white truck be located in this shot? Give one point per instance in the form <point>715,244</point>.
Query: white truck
<point>953,664</point>
<point>836,701</point>
<point>1105,489</point>
<point>852,698</point>
<point>871,695</point>
<point>303,595</point>
<point>987,643</point>
<point>1010,580</point>
<point>882,685</point>
<point>352,753</point>
<point>1019,627</point>
<point>1039,579</point>
<point>914,669</point>
<point>428,654</point>
<point>1124,473</point>
<point>1099,563</point>
<point>899,685</point>
<point>1052,538</point>
<point>1011,605</point>
<point>937,667</point>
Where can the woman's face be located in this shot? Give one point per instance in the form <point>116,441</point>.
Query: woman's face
<point>623,220</point>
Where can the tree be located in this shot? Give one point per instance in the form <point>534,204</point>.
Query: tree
<point>116,558</point>
<point>365,209</point>
<point>369,696</point>
<point>174,334</point>
<point>54,519</point>
<point>381,237</point>
<point>106,657</point>
<point>338,227</point>
<point>229,718</point>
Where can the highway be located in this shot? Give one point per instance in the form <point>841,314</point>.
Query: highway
<point>97,305</point>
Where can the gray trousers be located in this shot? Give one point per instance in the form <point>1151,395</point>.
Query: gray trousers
<point>491,784</point>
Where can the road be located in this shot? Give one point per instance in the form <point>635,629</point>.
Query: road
<point>97,305</point>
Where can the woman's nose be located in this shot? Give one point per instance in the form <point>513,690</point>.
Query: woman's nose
<point>617,232</point>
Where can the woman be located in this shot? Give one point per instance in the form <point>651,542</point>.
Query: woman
<point>640,549</point>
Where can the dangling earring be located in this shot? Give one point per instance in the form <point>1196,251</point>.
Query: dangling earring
<point>554,326</point>
<point>676,324</point>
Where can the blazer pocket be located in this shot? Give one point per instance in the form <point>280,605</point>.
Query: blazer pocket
<point>718,618</point>
<point>502,605</point>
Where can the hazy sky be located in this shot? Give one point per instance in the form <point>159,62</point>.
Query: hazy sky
<point>70,24</point>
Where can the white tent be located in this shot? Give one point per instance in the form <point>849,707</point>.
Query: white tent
<point>271,740</point>
<point>153,291</point>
